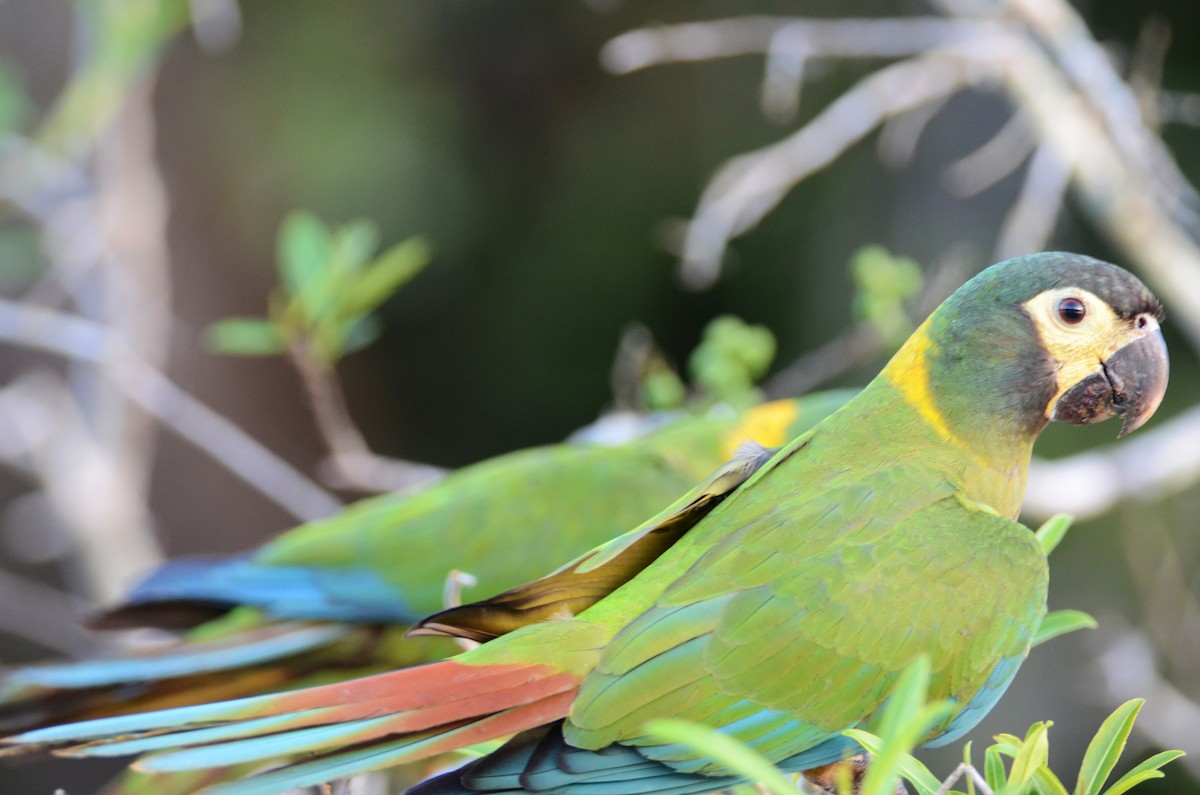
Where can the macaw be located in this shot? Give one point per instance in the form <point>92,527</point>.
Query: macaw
<point>777,602</point>
<point>332,598</point>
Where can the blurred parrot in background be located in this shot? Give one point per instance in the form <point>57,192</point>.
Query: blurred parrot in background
<point>777,602</point>
<point>333,598</point>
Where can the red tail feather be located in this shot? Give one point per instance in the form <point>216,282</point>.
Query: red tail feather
<point>428,695</point>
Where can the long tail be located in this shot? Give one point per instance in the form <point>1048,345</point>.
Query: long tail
<point>251,660</point>
<point>355,726</point>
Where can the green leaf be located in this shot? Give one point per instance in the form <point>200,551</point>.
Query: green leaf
<point>724,749</point>
<point>360,333</point>
<point>1034,753</point>
<point>304,249</point>
<point>1052,531</point>
<point>993,769</point>
<point>967,748</point>
<point>1106,747</point>
<point>244,336</point>
<point>905,721</point>
<point>907,697</point>
<point>910,767</point>
<point>1143,772</point>
<point>1060,622</point>
<point>354,243</point>
<point>390,271</point>
<point>1048,783</point>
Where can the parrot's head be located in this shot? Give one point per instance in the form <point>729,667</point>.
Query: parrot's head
<point>1048,336</point>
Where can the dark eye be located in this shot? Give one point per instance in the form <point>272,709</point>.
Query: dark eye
<point>1071,310</point>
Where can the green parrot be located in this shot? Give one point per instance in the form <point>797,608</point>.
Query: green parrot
<point>333,598</point>
<point>776,602</point>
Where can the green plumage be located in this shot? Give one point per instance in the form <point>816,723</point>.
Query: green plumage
<point>780,599</point>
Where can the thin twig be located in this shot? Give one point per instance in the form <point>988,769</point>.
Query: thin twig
<point>815,38</point>
<point>79,339</point>
<point>1029,223</point>
<point>749,186</point>
<point>351,460</point>
<point>999,156</point>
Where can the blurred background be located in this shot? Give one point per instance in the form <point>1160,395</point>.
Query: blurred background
<point>575,167</point>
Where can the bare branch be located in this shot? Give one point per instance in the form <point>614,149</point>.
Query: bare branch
<point>899,136</point>
<point>1030,222</point>
<point>351,462</point>
<point>82,340</point>
<point>1115,191</point>
<point>1151,464</point>
<point>813,38</point>
<point>749,186</point>
<point>1000,156</point>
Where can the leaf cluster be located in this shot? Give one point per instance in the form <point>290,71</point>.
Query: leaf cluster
<point>884,283</point>
<point>331,282</point>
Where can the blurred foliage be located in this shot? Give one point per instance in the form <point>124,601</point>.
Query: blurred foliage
<point>125,40</point>
<point>884,284</point>
<point>730,359</point>
<point>329,286</point>
<point>15,108</point>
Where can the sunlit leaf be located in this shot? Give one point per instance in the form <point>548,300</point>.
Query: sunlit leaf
<point>725,750</point>
<point>1061,622</point>
<point>354,242</point>
<point>1105,748</point>
<point>913,770</point>
<point>390,271</point>
<point>1052,531</point>
<point>1034,752</point>
<point>993,769</point>
<point>1143,772</point>
<point>303,251</point>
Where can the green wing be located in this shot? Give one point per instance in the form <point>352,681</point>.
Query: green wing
<point>794,625</point>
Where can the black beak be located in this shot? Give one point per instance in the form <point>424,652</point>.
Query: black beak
<point>1131,384</point>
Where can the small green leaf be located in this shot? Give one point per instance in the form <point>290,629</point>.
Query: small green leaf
<point>1034,753</point>
<point>1060,622</point>
<point>1143,772</point>
<point>910,767</point>
<point>724,749</point>
<point>360,333</point>
<point>993,769</point>
<point>907,697</point>
<point>967,748</point>
<point>303,251</point>
<point>244,336</point>
<point>905,721</point>
<point>390,271</point>
<point>1048,783</point>
<point>355,242</point>
<point>1105,748</point>
<point>1052,531</point>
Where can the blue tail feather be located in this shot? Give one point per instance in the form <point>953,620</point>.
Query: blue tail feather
<point>284,592</point>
